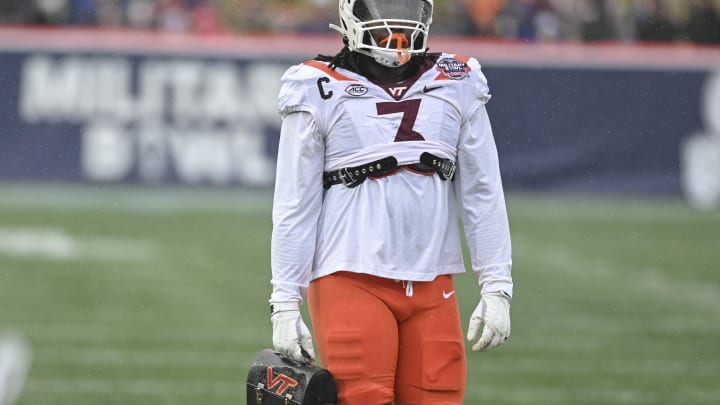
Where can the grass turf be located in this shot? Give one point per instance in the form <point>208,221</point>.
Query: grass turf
<point>159,296</point>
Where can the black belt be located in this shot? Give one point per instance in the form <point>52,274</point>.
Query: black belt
<point>445,168</point>
<point>354,176</point>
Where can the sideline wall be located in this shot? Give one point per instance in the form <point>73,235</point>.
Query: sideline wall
<point>109,107</point>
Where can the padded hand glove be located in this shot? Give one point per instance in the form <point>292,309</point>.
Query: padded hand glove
<point>291,336</point>
<point>492,315</point>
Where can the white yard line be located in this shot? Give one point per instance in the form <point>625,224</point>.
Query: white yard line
<point>85,333</point>
<point>145,357</point>
<point>618,395</point>
<point>177,358</point>
<point>675,286</point>
<point>135,387</point>
<point>579,365</point>
<point>159,200</point>
<point>57,244</point>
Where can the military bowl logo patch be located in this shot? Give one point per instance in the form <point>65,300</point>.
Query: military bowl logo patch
<point>453,68</point>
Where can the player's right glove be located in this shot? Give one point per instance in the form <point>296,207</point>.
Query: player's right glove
<point>291,336</point>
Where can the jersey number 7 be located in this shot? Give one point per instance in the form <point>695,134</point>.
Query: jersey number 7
<point>409,109</point>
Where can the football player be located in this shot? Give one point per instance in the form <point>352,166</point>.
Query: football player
<point>382,146</point>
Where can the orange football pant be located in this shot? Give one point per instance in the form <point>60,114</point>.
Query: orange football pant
<point>387,343</point>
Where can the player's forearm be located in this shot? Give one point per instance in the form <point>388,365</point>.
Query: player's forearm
<point>487,233</point>
<point>292,252</point>
<point>484,214</point>
<point>496,279</point>
<point>296,206</point>
<point>286,291</point>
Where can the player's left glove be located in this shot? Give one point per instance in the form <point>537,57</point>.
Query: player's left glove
<point>291,336</point>
<point>492,315</point>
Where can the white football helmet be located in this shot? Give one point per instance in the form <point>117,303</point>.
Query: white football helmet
<point>389,31</point>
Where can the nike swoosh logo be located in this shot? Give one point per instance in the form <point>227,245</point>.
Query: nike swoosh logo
<point>427,89</point>
<point>448,295</point>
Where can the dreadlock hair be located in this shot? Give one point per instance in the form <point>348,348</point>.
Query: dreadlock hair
<point>339,59</point>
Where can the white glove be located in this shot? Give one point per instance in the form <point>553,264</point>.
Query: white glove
<point>291,336</point>
<point>493,312</point>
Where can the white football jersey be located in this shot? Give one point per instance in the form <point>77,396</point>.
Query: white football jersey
<point>403,226</point>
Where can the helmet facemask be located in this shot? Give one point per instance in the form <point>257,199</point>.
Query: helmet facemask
<point>389,31</point>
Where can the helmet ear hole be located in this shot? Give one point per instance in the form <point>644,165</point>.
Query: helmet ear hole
<point>367,38</point>
<point>419,42</point>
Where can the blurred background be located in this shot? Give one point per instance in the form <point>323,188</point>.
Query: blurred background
<point>693,21</point>
<point>138,141</point>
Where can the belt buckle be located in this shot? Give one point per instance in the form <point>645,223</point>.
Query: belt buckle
<point>448,169</point>
<point>348,178</point>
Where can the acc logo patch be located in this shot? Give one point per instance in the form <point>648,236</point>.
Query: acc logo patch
<point>356,90</point>
<point>453,68</point>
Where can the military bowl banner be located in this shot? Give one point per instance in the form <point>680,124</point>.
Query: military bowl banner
<point>150,109</point>
<point>148,118</point>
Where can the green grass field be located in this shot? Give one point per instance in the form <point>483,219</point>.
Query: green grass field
<point>145,296</point>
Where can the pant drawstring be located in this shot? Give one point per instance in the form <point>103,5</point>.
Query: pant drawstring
<point>408,288</point>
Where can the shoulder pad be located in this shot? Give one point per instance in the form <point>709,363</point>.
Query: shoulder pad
<point>298,79</point>
<point>479,81</point>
